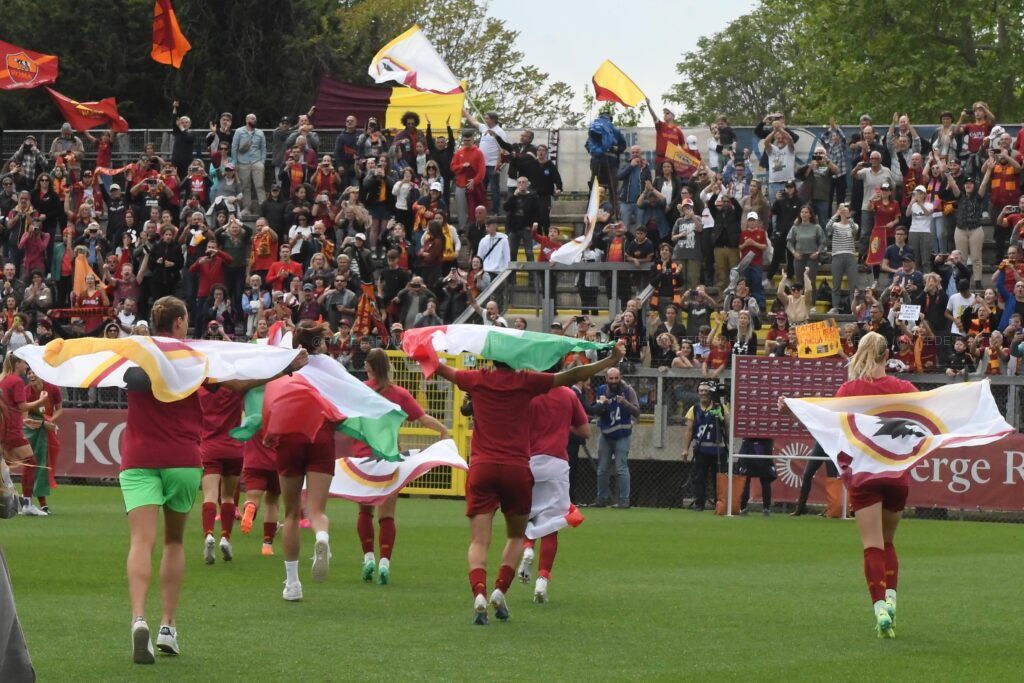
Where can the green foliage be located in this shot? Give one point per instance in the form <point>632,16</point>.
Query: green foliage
<point>262,57</point>
<point>813,59</point>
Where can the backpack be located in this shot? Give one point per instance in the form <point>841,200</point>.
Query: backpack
<point>600,137</point>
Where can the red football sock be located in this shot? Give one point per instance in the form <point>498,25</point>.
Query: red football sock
<point>505,576</point>
<point>209,515</point>
<point>269,531</point>
<point>238,492</point>
<point>892,566</point>
<point>364,527</point>
<point>528,543</point>
<point>478,581</point>
<point>28,480</point>
<point>227,519</point>
<point>387,536</point>
<point>874,572</point>
<point>548,550</point>
<point>42,501</point>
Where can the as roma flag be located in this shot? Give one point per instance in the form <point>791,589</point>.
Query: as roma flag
<point>86,115</point>
<point>21,68</point>
<point>169,45</point>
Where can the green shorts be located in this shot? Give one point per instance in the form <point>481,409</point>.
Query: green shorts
<point>174,487</point>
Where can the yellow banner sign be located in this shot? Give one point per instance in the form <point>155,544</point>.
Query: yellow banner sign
<point>818,340</point>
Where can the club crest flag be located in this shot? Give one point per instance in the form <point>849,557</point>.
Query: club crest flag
<point>572,252</point>
<point>169,45</point>
<point>21,68</point>
<point>680,157</point>
<point>86,115</point>
<point>876,246</point>
<point>410,59</point>
<point>884,435</point>
<point>371,481</point>
<point>611,84</point>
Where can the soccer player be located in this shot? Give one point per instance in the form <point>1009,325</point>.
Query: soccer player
<point>41,433</point>
<point>378,370</point>
<point>499,464</point>
<point>553,416</point>
<point>222,465</point>
<point>14,393</point>
<point>877,501</point>
<point>259,473</point>
<point>161,468</point>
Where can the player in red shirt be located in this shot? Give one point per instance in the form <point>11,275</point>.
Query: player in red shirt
<point>16,404</point>
<point>259,474</point>
<point>553,416</point>
<point>877,501</point>
<point>41,433</point>
<point>222,465</point>
<point>378,370</point>
<point>499,465</point>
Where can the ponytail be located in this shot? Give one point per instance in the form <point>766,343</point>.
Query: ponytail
<point>870,354</point>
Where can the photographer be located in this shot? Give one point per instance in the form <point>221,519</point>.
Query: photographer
<point>615,406</point>
<point>30,161</point>
<point>454,299</point>
<point>707,427</point>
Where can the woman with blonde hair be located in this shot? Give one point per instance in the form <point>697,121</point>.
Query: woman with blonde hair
<point>877,500</point>
<point>378,370</point>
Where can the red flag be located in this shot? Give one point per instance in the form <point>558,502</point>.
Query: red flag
<point>86,115</point>
<point>169,45</point>
<point>876,246</point>
<point>21,68</point>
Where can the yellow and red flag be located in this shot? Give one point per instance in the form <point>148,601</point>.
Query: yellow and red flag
<point>680,156</point>
<point>612,85</point>
<point>169,45</point>
<point>21,68</point>
<point>86,115</point>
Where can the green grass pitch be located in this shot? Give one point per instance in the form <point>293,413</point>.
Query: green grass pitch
<point>637,595</point>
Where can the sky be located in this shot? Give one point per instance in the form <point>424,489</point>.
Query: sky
<point>645,38</point>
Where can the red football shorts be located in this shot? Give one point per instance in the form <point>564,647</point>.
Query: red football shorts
<point>225,468</point>
<point>490,485</point>
<point>892,494</point>
<point>297,456</point>
<point>14,440</point>
<point>261,480</point>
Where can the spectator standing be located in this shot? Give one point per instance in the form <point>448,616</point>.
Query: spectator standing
<point>686,247</point>
<point>634,178</point>
<point>183,141</point>
<point>707,425</point>
<point>833,140</point>
<point>841,233</point>
<point>490,133</point>
<point>547,182</point>
<point>969,236</point>
<point>871,176</point>
<point>666,131</point>
<point>806,242</point>
<point>66,143</point>
<point>523,210</point>
<point>29,161</point>
<point>440,151</point>
<point>920,237</point>
<point>725,235</point>
<point>780,155</point>
<point>785,212</point>
<point>470,170</point>
<point>821,173</point>
<point>615,405</point>
<point>754,240</point>
<point>605,143</point>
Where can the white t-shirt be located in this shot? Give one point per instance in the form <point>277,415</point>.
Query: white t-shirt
<point>956,306</point>
<point>488,145</point>
<point>921,217</point>
<point>302,233</point>
<point>781,164</point>
<point>712,153</point>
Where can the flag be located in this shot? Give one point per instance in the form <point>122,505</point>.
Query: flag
<point>323,391</point>
<point>336,100</point>
<point>612,85</point>
<point>371,481</point>
<point>368,317</point>
<point>175,368</point>
<point>876,245</point>
<point>572,252</point>
<point>884,435</point>
<point>518,349</point>
<point>86,115</point>
<point>680,157</point>
<point>411,60</point>
<point>21,68</point>
<point>169,45</point>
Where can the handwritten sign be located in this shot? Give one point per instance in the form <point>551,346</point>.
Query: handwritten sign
<point>818,340</point>
<point>910,312</point>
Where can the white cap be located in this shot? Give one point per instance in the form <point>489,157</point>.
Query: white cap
<point>921,188</point>
<point>360,236</point>
<point>753,216</point>
<point>115,186</point>
<point>436,185</point>
<point>691,141</point>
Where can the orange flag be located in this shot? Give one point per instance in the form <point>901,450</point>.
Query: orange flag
<point>86,115</point>
<point>169,45</point>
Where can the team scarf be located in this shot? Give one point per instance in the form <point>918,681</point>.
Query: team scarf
<point>881,436</point>
<point>176,368</point>
<point>519,349</point>
<point>368,317</point>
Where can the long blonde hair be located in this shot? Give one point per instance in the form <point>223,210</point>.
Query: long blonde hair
<point>869,355</point>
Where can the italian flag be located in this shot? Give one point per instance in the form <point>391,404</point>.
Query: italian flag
<point>518,349</point>
<point>323,391</point>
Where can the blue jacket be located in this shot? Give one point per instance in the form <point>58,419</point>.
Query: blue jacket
<point>1009,301</point>
<point>602,130</point>
<point>633,179</point>
<point>615,418</point>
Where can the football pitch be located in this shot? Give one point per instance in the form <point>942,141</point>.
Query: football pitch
<point>637,594</point>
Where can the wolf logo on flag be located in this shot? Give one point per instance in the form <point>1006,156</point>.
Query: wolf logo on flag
<point>22,68</point>
<point>893,434</point>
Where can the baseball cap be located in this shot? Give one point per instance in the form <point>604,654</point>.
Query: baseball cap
<point>886,186</point>
<point>360,236</point>
<point>284,119</point>
<point>753,216</point>
<point>921,189</point>
<point>229,166</point>
<point>904,339</point>
<point>275,186</point>
<point>227,114</point>
<point>397,326</point>
<point>687,202</point>
<point>345,321</point>
<point>211,324</point>
<point>908,256</point>
<point>307,287</point>
<point>691,141</point>
<point>142,323</point>
<point>115,186</point>
<point>556,325</point>
<point>436,186</point>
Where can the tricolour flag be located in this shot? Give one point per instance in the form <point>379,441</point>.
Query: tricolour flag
<point>86,115</point>
<point>323,391</point>
<point>518,349</point>
<point>371,481</point>
<point>410,59</point>
<point>884,435</point>
<point>169,45</point>
<point>612,85</point>
<point>336,100</point>
<point>572,252</point>
<point>21,68</point>
<point>175,367</point>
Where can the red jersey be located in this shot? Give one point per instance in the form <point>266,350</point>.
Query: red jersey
<point>872,387</point>
<point>160,435</point>
<point>14,392</point>
<point>616,250</point>
<point>664,134</point>
<point>222,412</point>
<point>885,213</point>
<point>976,133</point>
<point>399,396</point>
<point>758,235</point>
<point>500,396</point>
<point>257,456</point>
<point>279,271</point>
<point>719,357</point>
<point>549,426</point>
<point>475,171</point>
